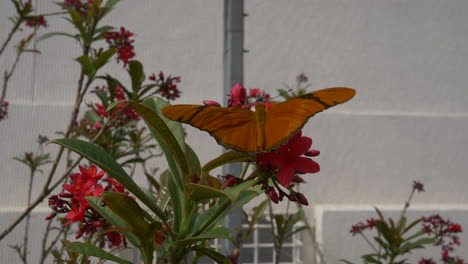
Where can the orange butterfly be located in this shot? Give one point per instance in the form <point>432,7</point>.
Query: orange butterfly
<point>261,130</point>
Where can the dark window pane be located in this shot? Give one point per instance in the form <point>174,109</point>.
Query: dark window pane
<point>265,254</point>
<point>265,235</point>
<point>246,255</point>
<point>286,254</point>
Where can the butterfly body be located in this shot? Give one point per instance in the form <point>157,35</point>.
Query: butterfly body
<point>263,129</point>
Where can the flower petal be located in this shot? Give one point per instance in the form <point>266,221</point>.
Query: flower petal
<point>306,165</point>
<point>285,174</point>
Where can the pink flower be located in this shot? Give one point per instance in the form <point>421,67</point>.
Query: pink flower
<point>238,95</point>
<point>211,103</point>
<point>288,159</point>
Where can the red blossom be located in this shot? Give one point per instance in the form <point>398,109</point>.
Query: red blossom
<point>82,7</point>
<point>73,203</point>
<point>288,159</point>
<point>36,21</point>
<point>272,195</point>
<point>167,87</point>
<point>418,186</point>
<point>121,41</point>
<point>426,261</point>
<point>238,95</point>
<point>3,110</point>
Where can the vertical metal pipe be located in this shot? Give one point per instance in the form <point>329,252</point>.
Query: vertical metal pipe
<point>233,73</point>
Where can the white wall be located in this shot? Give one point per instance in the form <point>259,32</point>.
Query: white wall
<point>406,59</point>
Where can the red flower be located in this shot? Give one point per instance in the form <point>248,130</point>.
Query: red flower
<point>3,110</point>
<point>36,21</point>
<point>288,159</point>
<point>418,186</point>
<point>121,41</point>
<point>167,86</point>
<point>238,95</point>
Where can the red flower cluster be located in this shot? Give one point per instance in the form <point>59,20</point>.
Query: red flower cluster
<point>285,163</point>
<point>121,41</point>
<point>359,227</point>
<point>82,7</point>
<point>119,94</point>
<point>240,98</point>
<point>160,236</point>
<point>288,160</point>
<point>36,21</point>
<point>444,230</point>
<point>426,261</point>
<point>77,5</point>
<point>73,202</point>
<point>3,110</point>
<point>167,87</point>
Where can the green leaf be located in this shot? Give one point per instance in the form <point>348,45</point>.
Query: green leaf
<point>212,254</point>
<point>284,93</point>
<point>417,234</point>
<point>298,216</point>
<point>113,218</point>
<point>218,232</point>
<point>92,117</point>
<point>370,258</point>
<point>259,211</point>
<point>103,160</point>
<point>129,210</point>
<point>136,74</point>
<point>193,160</point>
<point>415,222</point>
<point>382,244</point>
<point>77,20</point>
<point>53,34</point>
<point>156,104</point>
<point>227,157</point>
<point>235,191</point>
<point>86,65</point>
<point>401,224</point>
<point>222,209</point>
<point>167,141</point>
<point>103,58</point>
<point>407,247</point>
<point>111,3</point>
<point>92,250</point>
<point>176,201</point>
<point>345,261</point>
<point>201,192</point>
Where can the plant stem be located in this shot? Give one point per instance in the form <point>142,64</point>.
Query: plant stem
<point>12,32</point>
<point>276,242</point>
<point>28,217</point>
<point>7,76</point>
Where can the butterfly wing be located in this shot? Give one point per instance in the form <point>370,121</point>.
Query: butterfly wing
<point>233,127</point>
<point>285,119</point>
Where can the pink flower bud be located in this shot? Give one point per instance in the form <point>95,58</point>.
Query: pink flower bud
<point>273,195</point>
<point>301,199</point>
<point>312,153</point>
<point>211,103</point>
<point>50,216</point>
<point>297,179</point>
